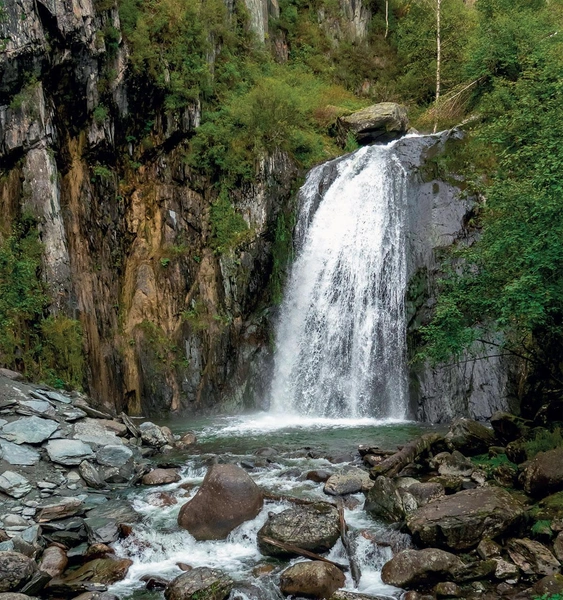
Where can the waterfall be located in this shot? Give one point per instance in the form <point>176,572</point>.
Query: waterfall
<point>341,337</point>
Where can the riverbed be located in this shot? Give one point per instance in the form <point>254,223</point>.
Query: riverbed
<point>277,451</point>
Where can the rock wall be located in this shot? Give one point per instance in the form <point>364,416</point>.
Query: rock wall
<point>168,324</point>
<point>481,381</point>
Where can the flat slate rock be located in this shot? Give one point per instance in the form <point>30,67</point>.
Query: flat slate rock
<point>30,430</point>
<point>91,431</point>
<point>68,452</point>
<point>15,454</point>
<point>119,510</point>
<point>39,407</point>
<point>57,397</point>
<point>14,484</point>
<point>114,456</point>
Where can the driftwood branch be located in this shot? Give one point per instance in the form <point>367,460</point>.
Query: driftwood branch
<point>354,568</point>
<point>408,454</point>
<point>302,552</point>
<point>292,499</point>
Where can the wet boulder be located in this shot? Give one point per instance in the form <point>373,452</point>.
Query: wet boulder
<point>544,473</point>
<point>462,520</point>
<point>227,497</point>
<point>314,527</point>
<point>311,579</point>
<point>161,477</point>
<point>154,436</point>
<point>469,437</point>
<point>102,571</point>
<point>350,481</point>
<point>200,584</point>
<point>53,561</point>
<point>384,501</point>
<point>452,465</point>
<point>15,571</point>
<point>412,568</point>
<point>377,123</point>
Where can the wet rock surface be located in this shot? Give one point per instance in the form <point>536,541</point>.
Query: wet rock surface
<point>315,528</point>
<point>312,579</point>
<point>227,498</point>
<point>200,584</point>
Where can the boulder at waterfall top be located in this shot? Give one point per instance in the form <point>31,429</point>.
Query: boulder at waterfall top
<point>377,123</point>
<point>227,497</point>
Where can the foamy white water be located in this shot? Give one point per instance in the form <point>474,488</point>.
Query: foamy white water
<point>341,339</point>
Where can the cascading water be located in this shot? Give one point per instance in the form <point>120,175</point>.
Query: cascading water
<point>341,339</point>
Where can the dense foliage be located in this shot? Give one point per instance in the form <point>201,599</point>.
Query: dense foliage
<point>38,345</point>
<point>512,278</point>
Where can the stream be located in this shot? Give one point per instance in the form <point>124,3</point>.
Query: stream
<point>277,453</point>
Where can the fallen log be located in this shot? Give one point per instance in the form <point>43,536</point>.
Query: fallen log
<point>408,454</point>
<point>302,552</point>
<point>354,567</point>
<point>292,499</point>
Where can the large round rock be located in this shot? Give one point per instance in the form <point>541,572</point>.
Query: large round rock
<point>200,584</point>
<point>227,498</point>
<point>469,437</point>
<point>411,568</point>
<point>15,571</point>
<point>544,474</point>
<point>312,579</point>
<point>315,528</point>
<point>460,521</point>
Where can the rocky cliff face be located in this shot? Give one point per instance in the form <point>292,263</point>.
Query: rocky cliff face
<point>168,324</point>
<point>483,380</point>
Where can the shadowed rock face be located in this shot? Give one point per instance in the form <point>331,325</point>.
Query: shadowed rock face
<point>227,498</point>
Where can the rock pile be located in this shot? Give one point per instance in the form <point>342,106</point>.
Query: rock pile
<point>477,530</point>
<point>61,461</point>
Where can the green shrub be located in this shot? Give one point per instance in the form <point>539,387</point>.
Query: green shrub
<point>489,464</point>
<point>48,348</point>
<point>543,441</point>
<point>228,228</point>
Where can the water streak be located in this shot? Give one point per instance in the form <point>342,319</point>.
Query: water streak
<point>341,336</point>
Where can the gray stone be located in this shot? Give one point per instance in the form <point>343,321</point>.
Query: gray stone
<point>311,579</point>
<point>120,510</point>
<point>101,530</point>
<point>152,435</point>
<point>313,527</point>
<point>411,568</point>
<point>68,452</point>
<point>57,397</point>
<point>462,520</point>
<point>91,475</point>
<point>93,432</point>
<point>15,571</point>
<point>31,430</point>
<point>380,122</point>
<point>114,456</point>
<point>544,474</point>
<point>14,484</point>
<point>351,481</point>
<point>15,454</point>
<point>532,557</point>
<point>201,583</point>
<point>73,414</point>
<point>39,407</point>
<point>469,437</point>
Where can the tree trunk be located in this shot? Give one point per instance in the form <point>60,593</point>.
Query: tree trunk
<point>438,60</point>
<point>408,454</point>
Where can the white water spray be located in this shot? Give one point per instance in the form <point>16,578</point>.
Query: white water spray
<point>341,340</point>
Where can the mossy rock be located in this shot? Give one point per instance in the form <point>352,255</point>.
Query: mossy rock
<point>548,509</point>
